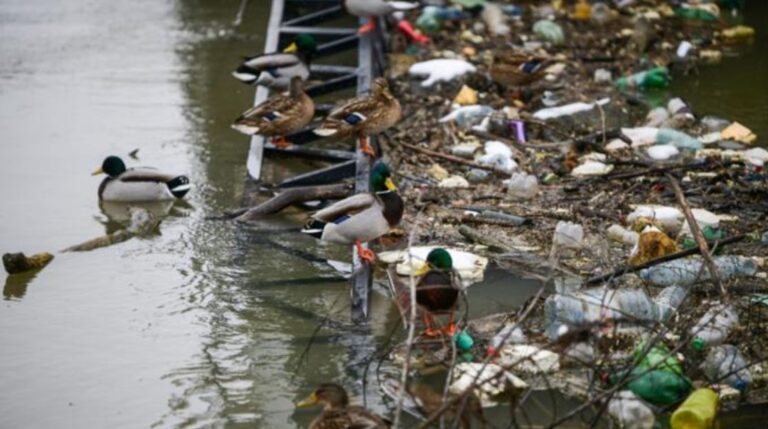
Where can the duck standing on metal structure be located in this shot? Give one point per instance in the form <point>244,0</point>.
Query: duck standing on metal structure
<point>363,116</point>
<point>361,217</point>
<point>437,291</point>
<point>372,9</point>
<point>337,413</point>
<point>279,115</point>
<point>140,184</point>
<point>275,70</point>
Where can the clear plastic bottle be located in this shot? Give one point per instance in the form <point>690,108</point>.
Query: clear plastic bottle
<point>509,334</point>
<point>714,327</point>
<point>668,300</point>
<point>725,364</point>
<point>596,304</point>
<point>630,412</point>
<point>523,186</point>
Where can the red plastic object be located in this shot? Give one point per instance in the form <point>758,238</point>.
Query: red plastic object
<point>406,28</point>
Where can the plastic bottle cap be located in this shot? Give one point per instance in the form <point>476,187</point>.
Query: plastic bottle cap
<point>463,340</point>
<point>698,344</point>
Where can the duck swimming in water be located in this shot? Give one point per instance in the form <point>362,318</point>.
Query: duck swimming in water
<point>140,184</point>
<point>337,413</point>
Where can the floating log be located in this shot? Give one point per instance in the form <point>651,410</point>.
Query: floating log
<point>293,196</point>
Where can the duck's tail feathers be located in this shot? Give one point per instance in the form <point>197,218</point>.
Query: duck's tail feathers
<point>403,5</point>
<point>179,186</point>
<point>245,74</point>
<point>314,228</point>
<point>245,128</point>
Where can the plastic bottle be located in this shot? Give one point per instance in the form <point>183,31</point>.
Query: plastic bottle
<point>697,412</point>
<point>678,139</point>
<point>657,358</point>
<point>509,334</point>
<point>493,17</point>
<point>658,387</point>
<point>549,31</point>
<point>568,109</point>
<point>523,186</point>
<point>656,117</point>
<point>686,272</point>
<point>668,300</point>
<point>714,326</point>
<point>657,77</point>
<point>622,235</point>
<point>725,364</point>
<point>568,234</point>
<point>596,304</point>
<point>630,412</point>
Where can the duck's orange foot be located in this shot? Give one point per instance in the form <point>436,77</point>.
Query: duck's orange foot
<point>281,143</point>
<point>364,254</point>
<point>366,147</point>
<point>368,27</point>
<point>451,330</point>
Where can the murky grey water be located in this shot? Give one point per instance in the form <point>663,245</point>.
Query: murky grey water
<point>188,328</point>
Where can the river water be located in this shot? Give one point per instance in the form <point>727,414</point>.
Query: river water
<point>190,327</point>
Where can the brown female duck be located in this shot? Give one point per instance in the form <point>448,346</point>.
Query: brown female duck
<point>337,413</point>
<point>363,116</point>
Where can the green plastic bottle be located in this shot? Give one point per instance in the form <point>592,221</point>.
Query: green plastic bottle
<point>697,412</point>
<point>659,387</point>
<point>658,358</point>
<point>657,77</point>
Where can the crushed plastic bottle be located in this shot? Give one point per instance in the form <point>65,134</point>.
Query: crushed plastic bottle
<point>714,326</point>
<point>568,234</point>
<point>522,186</point>
<point>596,304</point>
<point>697,412</point>
<point>630,412</point>
<point>678,139</point>
<point>509,334</point>
<point>568,109</point>
<point>659,387</point>
<point>685,272</point>
<point>656,117</point>
<point>725,365</point>
<point>668,301</point>
<point>622,235</point>
<point>549,31</point>
<point>466,116</point>
<point>658,357</point>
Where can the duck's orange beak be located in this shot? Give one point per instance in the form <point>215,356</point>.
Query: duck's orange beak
<point>310,400</point>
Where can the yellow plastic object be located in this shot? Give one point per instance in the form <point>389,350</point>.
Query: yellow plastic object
<point>582,10</point>
<point>739,32</point>
<point>697,412</point>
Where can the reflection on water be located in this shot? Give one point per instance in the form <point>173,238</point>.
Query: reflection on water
<point>205,324</point>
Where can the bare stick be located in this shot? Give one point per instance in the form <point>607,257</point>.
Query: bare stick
<point>700,240</point>
<point>293,196</point>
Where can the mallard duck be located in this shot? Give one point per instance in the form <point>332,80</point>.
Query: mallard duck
<point>275,70</point>
<point>279,115</point>
<point>437,291</point>
<point>363,116</point>
<point>374,8</point>
<point>361,217</point>
<point>138,184</point>
<point>337,413</point>
<point>516,69</point>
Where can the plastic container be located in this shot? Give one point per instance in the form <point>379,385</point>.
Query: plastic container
<point>528,359</point>
<point>685,272</point>
<point>568,234</point>
<point>466,116</point>
<point>656,117</point>
<point>630,412</point>
<point>523,186</point>
<point>726,365</point>
<point>678,139</point>
<point>668,301</point>
<point>596,304</point>
<point>714,326</point>
<point>509,334</point>
<point>697,412</point>
<point>493,17</point>
<point>657,358</point>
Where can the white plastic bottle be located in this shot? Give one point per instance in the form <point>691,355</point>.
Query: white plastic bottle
<point>714,327</point>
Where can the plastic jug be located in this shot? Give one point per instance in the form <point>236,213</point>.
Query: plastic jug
<point>697,412</point>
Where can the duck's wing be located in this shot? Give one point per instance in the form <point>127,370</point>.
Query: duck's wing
<point>364,419</point>
<point>145,174</point>
<point>332,419</point>
<point>347,206</point>
<point>271,108</point>
<point>268,61</point>
<point>361,105</point>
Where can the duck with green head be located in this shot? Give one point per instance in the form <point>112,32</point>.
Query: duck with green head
<point>279,115</point>
<point>361,217</point>
<point>437,291</point>
<point>337,413</point>
<point>139,184</point>
<point>363,116</point>
<point>275,70</point>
